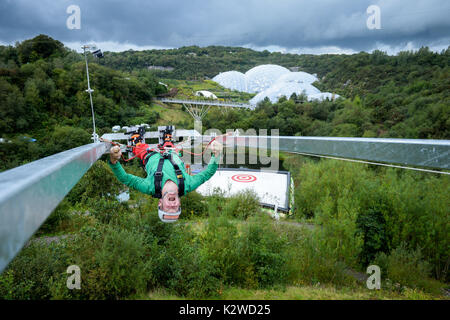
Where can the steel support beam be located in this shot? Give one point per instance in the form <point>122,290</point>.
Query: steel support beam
<point>29,193</point>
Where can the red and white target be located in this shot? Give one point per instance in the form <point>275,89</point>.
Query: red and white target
<point>243,178</point>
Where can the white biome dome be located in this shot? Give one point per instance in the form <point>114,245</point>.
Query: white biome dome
<point>273,81</point>
<point>286,89</point>
<point>233,80</point>
<point>262,77</point>
<point>300,77</point>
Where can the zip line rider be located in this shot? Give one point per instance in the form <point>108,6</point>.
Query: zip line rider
<point>167,178</point>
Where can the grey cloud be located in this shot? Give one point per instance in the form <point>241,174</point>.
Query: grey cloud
<point>285,23</point>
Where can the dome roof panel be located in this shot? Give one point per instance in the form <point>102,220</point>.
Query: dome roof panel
<point>233,80</point>
<point>284,89</point>
<point>262,77</point>
<point>300,77</point>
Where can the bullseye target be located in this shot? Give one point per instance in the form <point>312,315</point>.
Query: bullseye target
<point>243,178</point>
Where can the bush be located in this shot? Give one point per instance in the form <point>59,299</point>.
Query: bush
<point>60,214</point>
<point>13,289</point>
<point>267,252</point>
<point>29,274</point>
<point>371,224</point>
<point>182,268</point>
<point>242,205</point>
<point>98,182</point>
<point>225,250</point>
<point>406,268</point>
<point>114,264</point>
<point>192,205</point>
<point>311,261</point>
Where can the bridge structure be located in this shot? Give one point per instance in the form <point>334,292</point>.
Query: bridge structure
<point>29,193</point>
<point>207,103</point>
<point>199,108</point>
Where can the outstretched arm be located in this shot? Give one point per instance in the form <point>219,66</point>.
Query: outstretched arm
<point>195,181</point>
<point>129,180</point>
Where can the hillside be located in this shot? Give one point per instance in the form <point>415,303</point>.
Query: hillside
<point>402,96</point>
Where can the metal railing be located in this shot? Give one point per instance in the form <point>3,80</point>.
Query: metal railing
<point>29,193</point>
<point>409,152</point>
<point>207,103</point>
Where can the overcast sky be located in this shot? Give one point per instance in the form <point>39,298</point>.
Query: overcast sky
<point>298,26</point>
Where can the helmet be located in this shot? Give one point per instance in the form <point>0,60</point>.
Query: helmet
<point>167,216</point>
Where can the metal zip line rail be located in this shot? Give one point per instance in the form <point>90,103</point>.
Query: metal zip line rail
<point>29,193</point>
<point>408,152</point>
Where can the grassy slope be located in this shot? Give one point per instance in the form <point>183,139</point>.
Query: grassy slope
<point>189,87</point>
<point>319,292</point>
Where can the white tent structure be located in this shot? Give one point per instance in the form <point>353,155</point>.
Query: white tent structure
<point>206,94</point>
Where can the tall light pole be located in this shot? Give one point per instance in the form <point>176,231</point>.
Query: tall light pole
<point>99,54</point>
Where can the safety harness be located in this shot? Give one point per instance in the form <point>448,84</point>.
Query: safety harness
<point>159,174</point>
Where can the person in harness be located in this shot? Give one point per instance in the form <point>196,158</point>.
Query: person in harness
<point>167,178</point>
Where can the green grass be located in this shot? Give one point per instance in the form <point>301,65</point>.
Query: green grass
<point>171,114</point>
<point>318,292</point>
<point>188,89</point>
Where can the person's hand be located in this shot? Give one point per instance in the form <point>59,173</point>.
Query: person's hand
<point>115,154</point>
<point>216,148</point>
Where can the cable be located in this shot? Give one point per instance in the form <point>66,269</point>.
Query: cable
<point>374,163</point>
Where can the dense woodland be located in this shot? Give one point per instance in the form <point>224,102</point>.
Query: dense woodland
<point>355,214</point>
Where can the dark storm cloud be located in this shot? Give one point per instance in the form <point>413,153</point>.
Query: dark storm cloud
<point>259,23</point>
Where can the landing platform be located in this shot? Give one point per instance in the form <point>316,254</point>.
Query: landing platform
<point>272,187</point>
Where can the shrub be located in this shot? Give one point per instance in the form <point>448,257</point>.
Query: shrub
<point>312,261</point>
<point>406,268</point>
<point>192,205</point>
<point>29,273</point>
<point>242,205</point>
<point>114,263</point>
<point>266,251</point>
<point>371,224</point>
<point>60,214</point>
<point>182,268</point>
<point>13,289</point>
<point>224,249</point>
<point>98,182</point>
<point>107,210</point>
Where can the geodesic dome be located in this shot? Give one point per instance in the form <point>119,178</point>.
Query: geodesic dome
<point>262,77</point>
<point>286,89</point>
<point>273,81</point>
<point>233,80</point>
<point>300,77</point>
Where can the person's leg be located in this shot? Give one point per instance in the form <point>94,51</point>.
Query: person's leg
<point>140,150</point>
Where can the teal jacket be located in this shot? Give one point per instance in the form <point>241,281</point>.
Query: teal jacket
<point>147,185</point>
